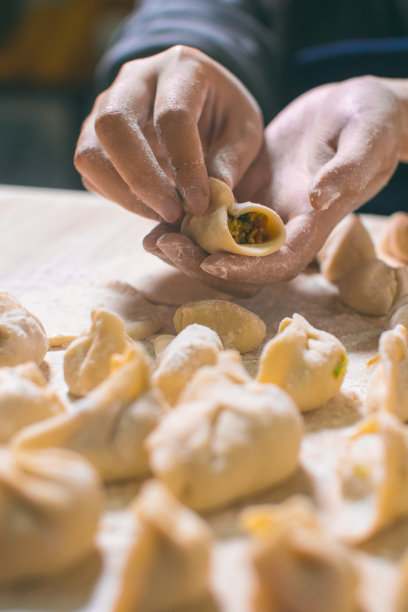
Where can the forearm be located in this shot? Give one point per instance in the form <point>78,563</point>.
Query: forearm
<point>247,37</point>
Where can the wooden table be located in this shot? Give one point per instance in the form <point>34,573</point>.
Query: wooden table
<point>59,248</point>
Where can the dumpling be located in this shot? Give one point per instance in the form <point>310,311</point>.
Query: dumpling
<point>193,348</point>
<point>395,238</point>
<point>238,328</point>
<point>246,229</point>
<point>25,398</point>
<point>399,313</point>
<point>373,477</point>
<point>87,359</point>
<point>388,385</point>
<point>50,506</point>
<point>239,441</point>
<point>110,425</point>
<point>298,566</point>
<point>22,336</point>
<point>308,363</point>
<point>401,595</point>
<point>210,381</point>
<point>348,245</point>
<point>168,562</point>
<point>372,287</point>
<point>161,342</point>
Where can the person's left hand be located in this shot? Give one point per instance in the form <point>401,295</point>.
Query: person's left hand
<point>328,152</point>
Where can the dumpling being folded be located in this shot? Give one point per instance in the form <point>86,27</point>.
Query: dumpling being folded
<point>22,336</point>
<point>87,359</point>
<point>50,505</point>
<point>298,566</point>
<point>194,347</point>
<point>373,477</point>
<point>395,238</point>
<point>110,425</point>
<point>308,363</point>
<point>25,398</point>
<point>239,441</point>
<point>247,228</point>
<point>168,562</point>
<point>388,385</point>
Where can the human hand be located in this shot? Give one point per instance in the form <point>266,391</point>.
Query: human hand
<point>329,152</point>
<point>165,123</point>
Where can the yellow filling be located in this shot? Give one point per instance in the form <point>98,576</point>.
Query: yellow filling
<point>249,228</point>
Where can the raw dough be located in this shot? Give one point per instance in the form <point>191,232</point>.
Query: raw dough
<point>25,398</point>
<point>372,287</point>
<point>308,363</point>
<point>161,342</point>
<point>374,479</point>
<point>395,238</point>
<point>87,359</point>
<point>237,327</point>
<point>50,505</point>
<point>22,336</point>
<point>212,231</point>
<point>298,566</point>
<point>168,562</point>
<point>399,313</point>
<point>110,425</point>
<point>388,385</point>
<point>193,348</point>
<point>348,245</point>
<point>214,451</point>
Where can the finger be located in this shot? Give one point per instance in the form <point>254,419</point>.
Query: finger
<point>363,163</point>
<point>119,128</point>
<point>305,236</point>
<point>187,257</point>
<point>255,185</point>
<point>179,101</point>
<point>98,172</point>
<point>150,241</point>
<point>237,145</point>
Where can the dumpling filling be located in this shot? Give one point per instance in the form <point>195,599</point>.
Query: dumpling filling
<point>249,228</point>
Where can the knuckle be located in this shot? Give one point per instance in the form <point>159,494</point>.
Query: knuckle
<point>172,116</point>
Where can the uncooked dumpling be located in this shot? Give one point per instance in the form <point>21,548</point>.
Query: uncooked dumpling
<point>395,238</point>
<point>87,359</point>
<point>50,506</point>
<point>22,336</point>
<point>298,566</point>
<point>110,425</point>
<point>372,287</point>
<point>399,313</point>
<point>238,328</point>
<point>388,385</point>
<point>25,398</point>
<point>246,229</point>
<point>348,245</point>
<point>168,562</point>
<point>373,479</point>
<point>237,442</point>
<point>194,347</point>
<point>308,363</point>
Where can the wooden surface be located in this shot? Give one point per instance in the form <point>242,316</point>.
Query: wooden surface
<point>59,251</point>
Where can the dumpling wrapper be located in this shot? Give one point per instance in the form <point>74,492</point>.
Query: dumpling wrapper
<point>50,506</point>
<point>168,562</point>
<point>308,363</point>
<point>211,230</point>
<point>22,335</point>
<point>237,442</point>
<point>388,384</point>
<point>110,425</point>
<point>298,566</point>
<point>194,347</point>
<point>238,327</point>
<point>87,359</point>
<point>399,313</point>
<point>25,398</point>
<point>373,477</point>
<point>348,245</point>
<point>395,239</point>
<point>372,287</point>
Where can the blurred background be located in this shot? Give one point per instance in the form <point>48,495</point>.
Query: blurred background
<point>48,53</point>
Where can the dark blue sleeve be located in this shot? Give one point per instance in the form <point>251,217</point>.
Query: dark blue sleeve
<point>245,36</point>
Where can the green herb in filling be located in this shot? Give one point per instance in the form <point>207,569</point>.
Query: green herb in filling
<point>250,228</point>
<point>340,367</point>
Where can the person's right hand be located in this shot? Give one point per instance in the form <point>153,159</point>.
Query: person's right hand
<point>167,123</point>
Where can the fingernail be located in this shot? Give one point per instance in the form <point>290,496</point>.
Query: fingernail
<point>171,211</point>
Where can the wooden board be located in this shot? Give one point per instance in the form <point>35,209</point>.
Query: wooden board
<point>60,250</point>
